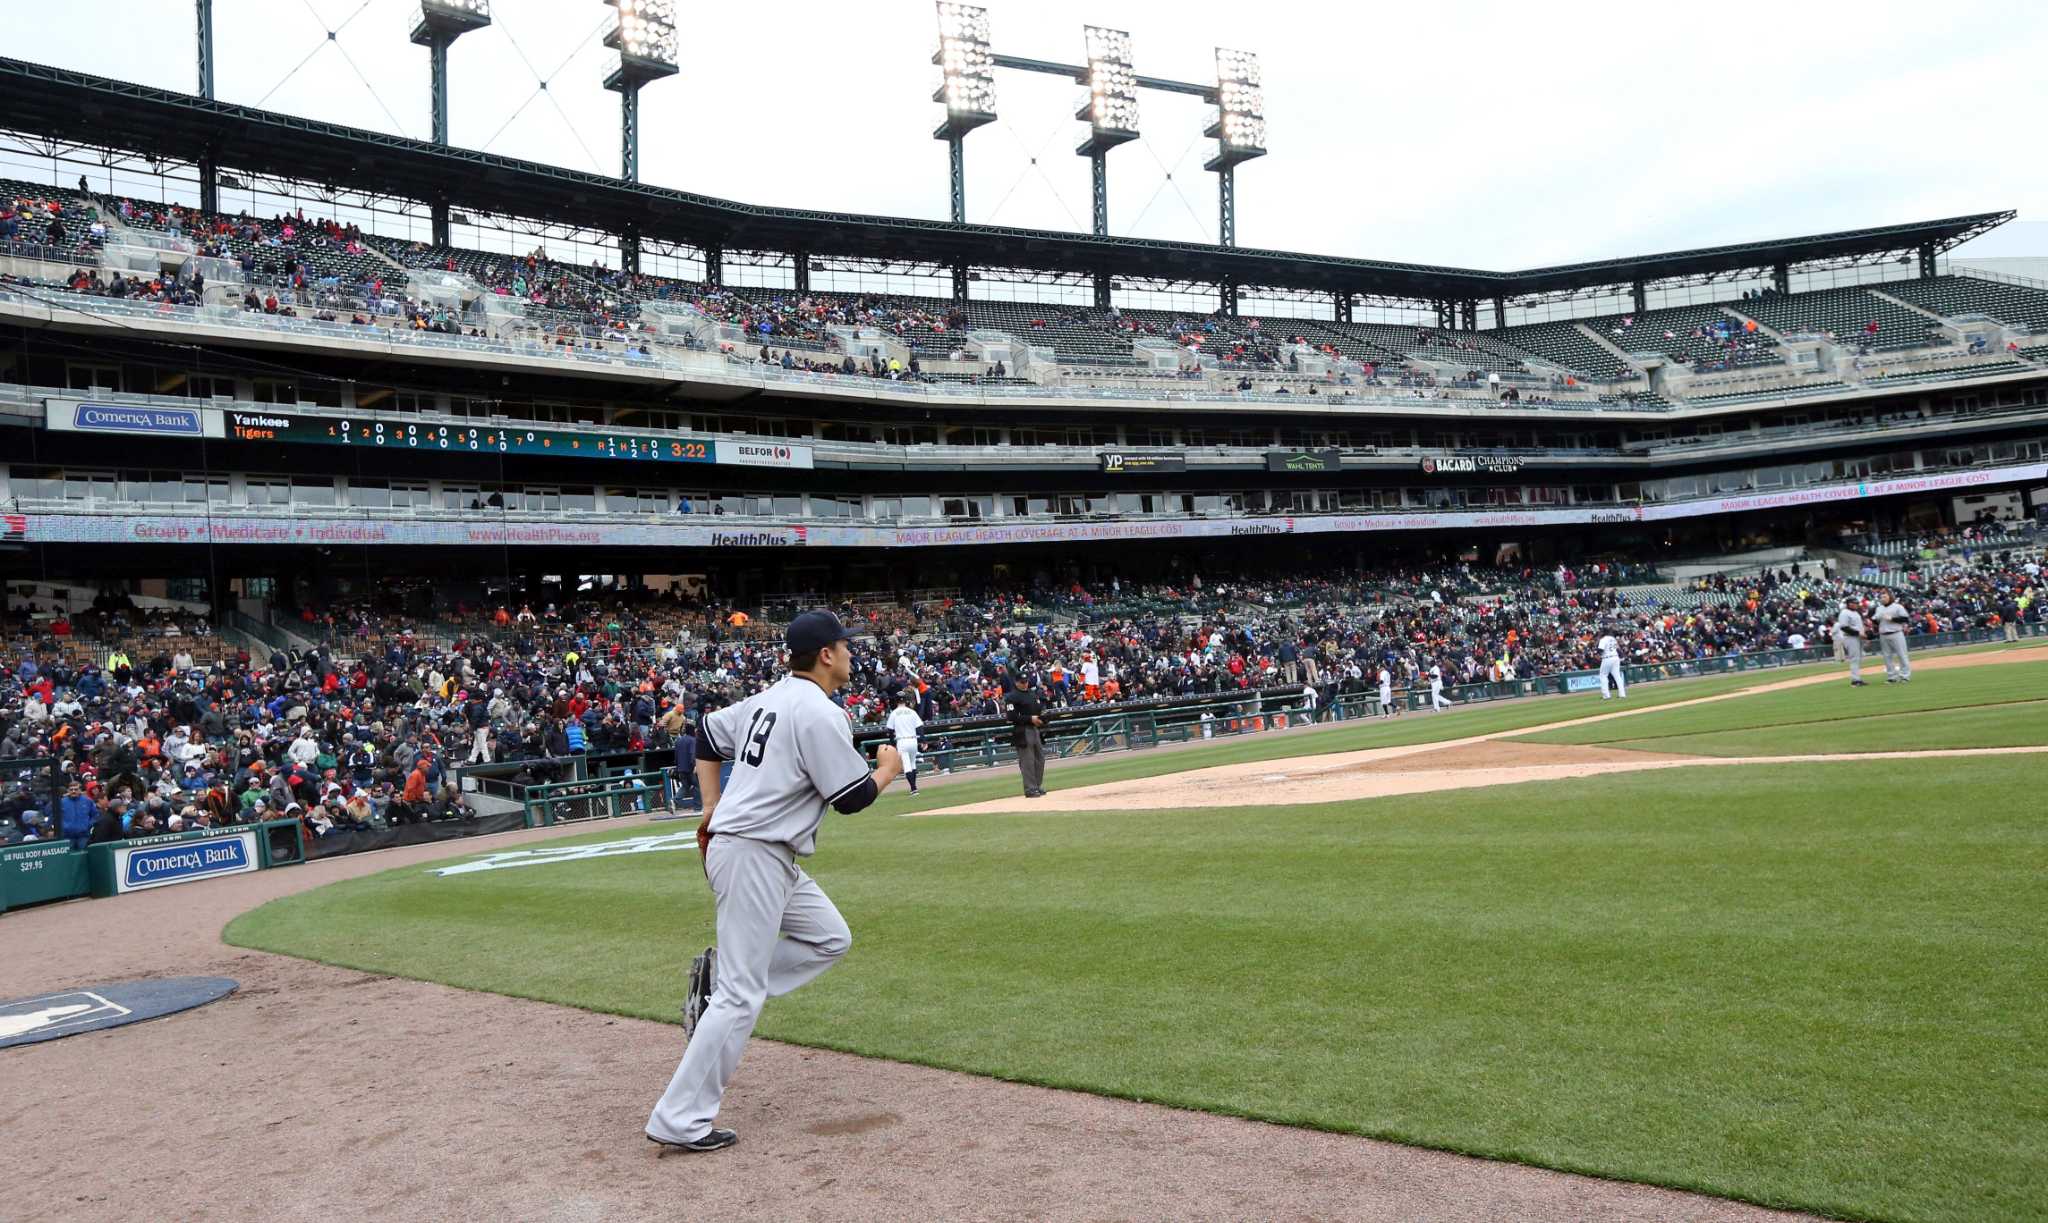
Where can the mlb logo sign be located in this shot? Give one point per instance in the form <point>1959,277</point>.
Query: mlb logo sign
<point>34,1019</point>
<point>13,528</point>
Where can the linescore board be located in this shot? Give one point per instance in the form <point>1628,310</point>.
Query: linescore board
<point>479,439</point>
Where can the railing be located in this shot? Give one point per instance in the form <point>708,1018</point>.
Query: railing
<point>1911,419</point>
<point>700,365</point>
<point>2025,282</point>
<point>711,367</point>
<point>1908,545</point>
<point>597,798</point>
<point>266,633</point>
<point>1069,735</point>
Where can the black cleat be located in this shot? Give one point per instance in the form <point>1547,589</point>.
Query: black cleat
<point>703,979</point>
<point>715,1140</point>
<point>1857,683</point>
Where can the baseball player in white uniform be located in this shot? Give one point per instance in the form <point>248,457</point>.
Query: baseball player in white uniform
<point>1386,692</point>
<point>792,755</point>
<point>903,724</point>
<point>1610,667</point>
<point>1436,688</point>
<point>1892,618</point>
<point>1849,636</point>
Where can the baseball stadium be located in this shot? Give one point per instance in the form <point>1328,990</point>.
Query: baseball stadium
<point>527,693</point>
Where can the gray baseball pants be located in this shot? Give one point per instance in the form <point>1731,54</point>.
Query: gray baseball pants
<point>1031,758</point>
<point>1893,647</point>
<point>1852,649</point>
<point>776,931</point>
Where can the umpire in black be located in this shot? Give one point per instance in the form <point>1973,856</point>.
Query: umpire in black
<point>1026,711</point>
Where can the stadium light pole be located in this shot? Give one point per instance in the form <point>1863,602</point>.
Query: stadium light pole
<point>967,85</point>
<point>645,38</point>
<point>1111,110</point>
<point>1112,106</point>
<point>1111,113</point>
<point>437,25</point>
<point>209,169</point>
<point>1239,129</point>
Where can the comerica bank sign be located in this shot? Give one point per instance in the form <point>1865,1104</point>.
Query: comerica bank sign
<point>156,865</point>
<point>80,416</point>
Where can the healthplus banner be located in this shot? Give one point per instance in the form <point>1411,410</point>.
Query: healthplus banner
<point>1821,494</point>
<point>495,531</point>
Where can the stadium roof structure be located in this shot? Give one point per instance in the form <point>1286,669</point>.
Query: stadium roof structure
<point>104,113</point>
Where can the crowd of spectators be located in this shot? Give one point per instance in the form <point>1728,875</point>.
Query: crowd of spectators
<point>362,730</point>
<point>45,223</point>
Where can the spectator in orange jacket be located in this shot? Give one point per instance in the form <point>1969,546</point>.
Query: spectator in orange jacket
<point>415,793</point>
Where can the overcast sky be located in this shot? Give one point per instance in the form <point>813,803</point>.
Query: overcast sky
<point>1478,134</point>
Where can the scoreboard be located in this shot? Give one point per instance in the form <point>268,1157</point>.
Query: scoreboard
<point>479,439</point>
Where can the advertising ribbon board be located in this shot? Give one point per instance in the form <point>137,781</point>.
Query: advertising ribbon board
<point>1459,464</point>
<point>1126,462</point>
<point>84,416</point>
<point>764,454</point>
<point>1304,460</point>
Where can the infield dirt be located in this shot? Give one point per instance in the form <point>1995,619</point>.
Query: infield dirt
<point>1494,759</point>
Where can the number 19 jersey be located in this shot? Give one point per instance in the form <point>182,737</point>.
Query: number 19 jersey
<point>792,752</point>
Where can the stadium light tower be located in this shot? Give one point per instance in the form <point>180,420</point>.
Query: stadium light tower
<point>1111,110</point>
<point>645,39</point>
<point>437,25</point>
<point>209,170</point>
<point>967,85</point>
<point>1239,129</point>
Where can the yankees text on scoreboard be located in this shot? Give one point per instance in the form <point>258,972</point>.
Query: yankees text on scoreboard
<point>500,439</point>
<point>399,434</point>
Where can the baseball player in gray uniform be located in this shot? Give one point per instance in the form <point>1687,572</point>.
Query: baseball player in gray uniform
<point>1891,620</point>
<point>1849,636</point>
<point>792,756</point>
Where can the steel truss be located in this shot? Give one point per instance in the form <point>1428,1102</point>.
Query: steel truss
<point>118,121</point>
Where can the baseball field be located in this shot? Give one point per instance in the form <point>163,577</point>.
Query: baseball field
<point>1766,937</point>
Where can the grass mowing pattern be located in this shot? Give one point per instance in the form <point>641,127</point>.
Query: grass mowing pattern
<point>1803,714</point>
<point>2020,724</point>
<point>1805,986</point>
<point>1410,728</point>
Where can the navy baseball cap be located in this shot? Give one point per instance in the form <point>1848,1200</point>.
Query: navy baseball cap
<point>814,631</point>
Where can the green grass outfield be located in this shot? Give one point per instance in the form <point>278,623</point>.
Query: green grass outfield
<point>1808,986</point>
<point>1491,717</point>
<point>1986,706</point>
